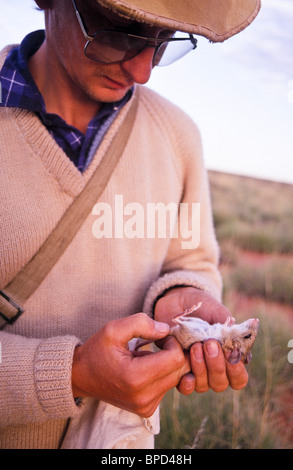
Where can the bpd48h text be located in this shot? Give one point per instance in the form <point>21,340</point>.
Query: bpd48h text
<point>147,459</point>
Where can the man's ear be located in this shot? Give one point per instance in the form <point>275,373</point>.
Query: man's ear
<point>43,4</point>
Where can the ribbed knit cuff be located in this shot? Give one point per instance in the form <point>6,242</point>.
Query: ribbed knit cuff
<point>53,367</point>
<point>178,279</point>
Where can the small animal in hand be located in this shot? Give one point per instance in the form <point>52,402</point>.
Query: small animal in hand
<point>235,338</point>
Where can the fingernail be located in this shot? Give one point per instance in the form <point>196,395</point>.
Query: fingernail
<point>212,348</point>
<point>162,327</point>
<point>189,385</point>
<point>197,353</point>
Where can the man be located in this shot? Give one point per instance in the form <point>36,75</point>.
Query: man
<point>65,96</point>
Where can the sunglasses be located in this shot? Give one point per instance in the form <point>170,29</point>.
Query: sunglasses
<point>111,47</point>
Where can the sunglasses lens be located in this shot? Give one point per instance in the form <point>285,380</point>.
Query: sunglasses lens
<point>170,52</point>
<point>109,47</point>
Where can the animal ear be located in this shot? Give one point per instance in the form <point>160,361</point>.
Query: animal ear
<point>229,321</point>
<point>248,358</point>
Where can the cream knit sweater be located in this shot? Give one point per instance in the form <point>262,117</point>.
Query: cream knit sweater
<point>96,279</point>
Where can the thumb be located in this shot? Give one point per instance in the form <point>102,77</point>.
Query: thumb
<point>139,325</point>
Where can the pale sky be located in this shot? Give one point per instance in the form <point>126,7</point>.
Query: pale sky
<point>239,93</point>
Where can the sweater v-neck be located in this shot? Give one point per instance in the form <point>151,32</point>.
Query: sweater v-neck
<point>57,163</point>
<point>19,90</point>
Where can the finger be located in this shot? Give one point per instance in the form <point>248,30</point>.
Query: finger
<point>211,310</point>
<point>166,361</point>
<point>187,384</point>
<point>141,353</point>
<point>135,326</point>
<point>216,366</point>
<point>199,368</point>
<point>184,381</point>
<point>163,368</point>
<point>237,375</point>
<point>149,393</point>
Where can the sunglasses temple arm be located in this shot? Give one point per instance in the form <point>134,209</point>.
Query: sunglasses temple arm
<point>81,23</point>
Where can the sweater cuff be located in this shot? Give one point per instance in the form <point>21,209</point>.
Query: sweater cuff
<point>53,368</point>
<point>179,279</point>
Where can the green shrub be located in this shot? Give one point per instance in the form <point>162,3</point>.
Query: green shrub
<point>273,281</point>
<point>254,214</point>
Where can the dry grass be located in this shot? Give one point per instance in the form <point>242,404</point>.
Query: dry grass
<point>252,215</point>
<point>252,418</point>
<point>272,281</point>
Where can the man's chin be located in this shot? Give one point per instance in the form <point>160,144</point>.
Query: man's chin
<point>108,95</point>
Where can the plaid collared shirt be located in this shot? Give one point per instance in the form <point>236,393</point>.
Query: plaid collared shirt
<point>20,91</point>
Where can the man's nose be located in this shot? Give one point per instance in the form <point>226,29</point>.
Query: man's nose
<point>140,67</point>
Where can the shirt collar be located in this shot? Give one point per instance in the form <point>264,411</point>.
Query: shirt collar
<point>19,89</point>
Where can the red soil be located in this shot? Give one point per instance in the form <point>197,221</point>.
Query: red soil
<point>248,307</point>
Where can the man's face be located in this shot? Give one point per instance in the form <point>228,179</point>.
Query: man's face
<point>99,82</point>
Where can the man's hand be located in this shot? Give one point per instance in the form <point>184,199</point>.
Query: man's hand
<point>104,367</point>
<point>209,366</point>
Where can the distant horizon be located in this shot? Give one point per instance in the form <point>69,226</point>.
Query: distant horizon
<point>240,175</point>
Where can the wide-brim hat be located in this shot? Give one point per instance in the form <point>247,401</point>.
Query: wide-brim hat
<point>217,20</point>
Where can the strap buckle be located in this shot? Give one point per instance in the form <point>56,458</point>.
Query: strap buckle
<point>9,317</point>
